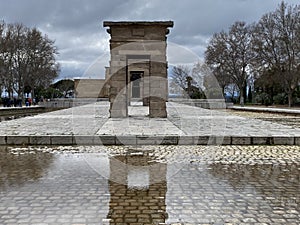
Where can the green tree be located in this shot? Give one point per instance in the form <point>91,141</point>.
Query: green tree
<point>277,47</point>
<point>50,93</point>
<point>65,86</point>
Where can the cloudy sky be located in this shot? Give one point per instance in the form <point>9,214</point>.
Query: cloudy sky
<point>76,25</point>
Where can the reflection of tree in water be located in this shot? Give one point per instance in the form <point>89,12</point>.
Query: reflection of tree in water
<point>130,205</point>
<point>278,183</point>
<point>17,169</point>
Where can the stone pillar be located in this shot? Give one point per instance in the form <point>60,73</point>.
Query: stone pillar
<point>158,90</point>
<point>138,40</point>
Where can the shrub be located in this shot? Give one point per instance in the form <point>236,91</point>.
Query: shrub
<point>280,99</point>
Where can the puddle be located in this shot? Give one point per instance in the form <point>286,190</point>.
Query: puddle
<point>125,185</point>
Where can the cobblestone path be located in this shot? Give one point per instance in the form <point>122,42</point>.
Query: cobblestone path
<point>193,185</point>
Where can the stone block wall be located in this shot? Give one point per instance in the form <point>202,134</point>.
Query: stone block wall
<point>91,88</point>
<point>130,42</point>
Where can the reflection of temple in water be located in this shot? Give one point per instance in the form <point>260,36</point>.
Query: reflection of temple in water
<point>138,190</point>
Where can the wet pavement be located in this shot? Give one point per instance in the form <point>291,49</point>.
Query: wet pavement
<point>150,185</point>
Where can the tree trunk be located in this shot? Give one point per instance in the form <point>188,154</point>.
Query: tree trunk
<point>272,96</point>
<point>245,92</point>
<point>242,100</point>
<point>290,98</point>
<point>223,92</point>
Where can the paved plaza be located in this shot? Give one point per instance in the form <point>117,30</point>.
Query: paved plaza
<point>239,185</point>
<point>90,124</point>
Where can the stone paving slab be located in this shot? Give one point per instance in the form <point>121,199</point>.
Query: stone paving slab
<point>139,126</point>
<point>185,125</point>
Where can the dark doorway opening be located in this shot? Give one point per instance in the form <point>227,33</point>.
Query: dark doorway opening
<point>135,79</point>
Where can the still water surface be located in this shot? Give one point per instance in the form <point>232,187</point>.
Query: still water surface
<point>99,188</point>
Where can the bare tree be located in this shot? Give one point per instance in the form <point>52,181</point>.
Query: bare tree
<point>188,80</point>
<point>277,46</point>
<point>179,76</point>
<point>41,68</point>
<point>27,59</point>
<point>2,27</point>
<point>199,71</point>
<point>229,55</point>
<point>206,81</point>
<point>214,58</point>
<point>18,54</point>
<point>7,58</point>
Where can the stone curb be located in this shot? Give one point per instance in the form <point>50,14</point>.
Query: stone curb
<point>266,110</point>
<point>146,140</point>
<point>15,111</point>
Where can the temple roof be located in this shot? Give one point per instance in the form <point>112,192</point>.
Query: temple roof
<point>141,23</point>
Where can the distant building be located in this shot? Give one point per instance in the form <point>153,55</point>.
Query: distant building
<point>91,88</point>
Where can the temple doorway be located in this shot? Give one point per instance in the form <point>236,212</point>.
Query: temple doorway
<point>136,84</point>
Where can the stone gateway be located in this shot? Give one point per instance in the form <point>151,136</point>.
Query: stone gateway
<point>138,66</point>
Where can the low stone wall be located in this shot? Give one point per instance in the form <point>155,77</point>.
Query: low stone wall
<point>137,140</point>
<point>202,103</point>
<point>15,111</point>
<point>69,102</point>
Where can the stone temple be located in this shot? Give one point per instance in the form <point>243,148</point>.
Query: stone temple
<point>138,66</point>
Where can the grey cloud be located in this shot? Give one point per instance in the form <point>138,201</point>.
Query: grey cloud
<point>76,25</point>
